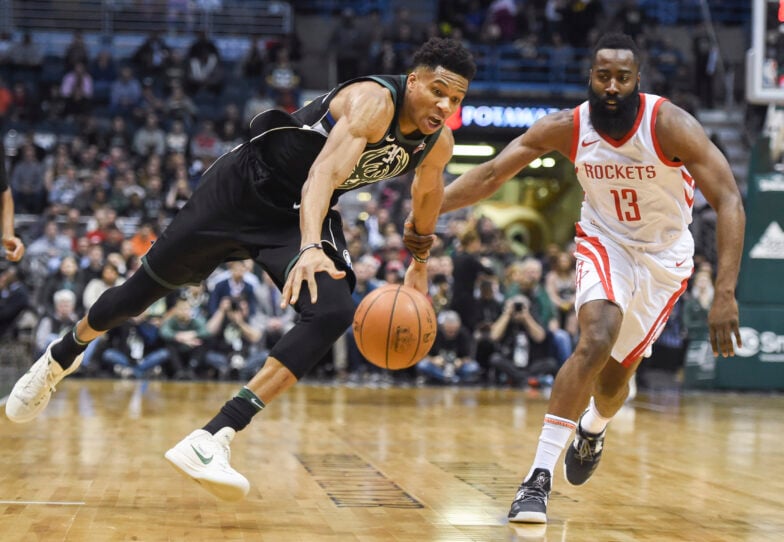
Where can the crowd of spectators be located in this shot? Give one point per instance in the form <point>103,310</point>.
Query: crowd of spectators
<point>105,152</point>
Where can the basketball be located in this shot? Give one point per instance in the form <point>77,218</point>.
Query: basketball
<point>394,326</point>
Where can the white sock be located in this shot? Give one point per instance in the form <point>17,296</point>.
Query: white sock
<point>552,440</point>
<point>593,422</point>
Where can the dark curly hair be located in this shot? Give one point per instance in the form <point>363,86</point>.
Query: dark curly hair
<point>616,40</point>
<point>447,53</point>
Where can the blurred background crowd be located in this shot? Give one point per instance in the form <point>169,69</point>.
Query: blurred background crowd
<point>106,143</point>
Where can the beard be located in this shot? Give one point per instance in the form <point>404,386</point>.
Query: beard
<point>615,123</point>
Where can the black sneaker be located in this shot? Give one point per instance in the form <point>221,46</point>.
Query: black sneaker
<point>530,504</point>
<point>583,455</point>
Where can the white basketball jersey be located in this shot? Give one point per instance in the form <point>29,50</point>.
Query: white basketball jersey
<point>633,193</point>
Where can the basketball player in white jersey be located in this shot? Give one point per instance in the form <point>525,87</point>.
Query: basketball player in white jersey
<point>639,159</point>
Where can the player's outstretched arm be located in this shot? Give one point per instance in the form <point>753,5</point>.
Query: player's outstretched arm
<point>682,137</point>
<point>550,133</point>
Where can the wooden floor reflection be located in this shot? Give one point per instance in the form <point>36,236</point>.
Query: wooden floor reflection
<point>337,464</point>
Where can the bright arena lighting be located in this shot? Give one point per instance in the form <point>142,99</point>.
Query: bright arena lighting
<point>473,150</point>
<point>536,163</point>
<point>548,162</point>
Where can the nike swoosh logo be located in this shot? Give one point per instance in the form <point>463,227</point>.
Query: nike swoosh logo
<point>589,143</point>
<point>203,459</point>
<point>296,205</point>
<point>680,263</point>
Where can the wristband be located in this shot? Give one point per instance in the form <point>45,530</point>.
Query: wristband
<point>309,246</point>
<point>418,259</point>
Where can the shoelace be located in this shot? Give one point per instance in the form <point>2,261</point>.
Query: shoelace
<point>533,492</point>
<point>40,380</point>
<point>585,451</point>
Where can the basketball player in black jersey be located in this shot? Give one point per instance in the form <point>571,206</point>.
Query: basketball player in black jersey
<point>271,199</point>
<point>14,248</point>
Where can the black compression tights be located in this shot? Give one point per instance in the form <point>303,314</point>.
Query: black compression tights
<point>318,326</point>
<point>120,303</point>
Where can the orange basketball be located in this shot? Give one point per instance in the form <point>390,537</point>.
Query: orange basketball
<point>394,326</point>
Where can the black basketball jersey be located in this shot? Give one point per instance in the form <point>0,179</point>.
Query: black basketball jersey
<point>289,144</point>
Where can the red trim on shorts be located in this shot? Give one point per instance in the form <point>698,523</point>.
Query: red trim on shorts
<point>656,145</point>
<point>690,181</point>
<point>603,267</point>
<point>575,134</point>
<point>658,324</point>
<point>561,422</point>
<point>619,142</point>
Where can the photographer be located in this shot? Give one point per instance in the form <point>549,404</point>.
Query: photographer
<point>234,339</point>
<point>450,358</point>
<point>522,347</point>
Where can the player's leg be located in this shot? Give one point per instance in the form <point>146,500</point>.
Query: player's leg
<point>318,327</point>
<point>610,392</point>
<point>599,322</point>
<point>32,391</point>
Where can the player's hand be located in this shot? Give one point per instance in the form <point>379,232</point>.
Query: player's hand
<point>416,277</point>
<point>723,322</point>
<point>14,248</point>
<point>416,243</point>
<point>309,263</point>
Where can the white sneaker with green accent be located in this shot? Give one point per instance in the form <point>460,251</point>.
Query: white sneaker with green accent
<point>33,390</point>
<point>205,458</point>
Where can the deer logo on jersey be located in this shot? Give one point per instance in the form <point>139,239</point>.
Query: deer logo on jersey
<point>378,164</point>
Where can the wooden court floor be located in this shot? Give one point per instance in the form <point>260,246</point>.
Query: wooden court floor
<point>339,464</point>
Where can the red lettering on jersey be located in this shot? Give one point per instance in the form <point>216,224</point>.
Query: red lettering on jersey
<point>651,171</point>
<point>588,171</point>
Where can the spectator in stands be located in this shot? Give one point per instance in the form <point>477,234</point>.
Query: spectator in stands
<point>234,336</point>
<point>179,193</point>
<point>144,237</point>
<point>26,54</point>
<point>253,64</point>
<point>346,43</point>
<point>104,72</point>
<point>110,276</point>
<point>258,102</point>
<point>450,360</point>
<point>521,338</point>
<point>118,139</point>
<point>468,267</point>
<point>206,145</point>
<point>184,334</point>
<point>59,316</point>
<point>205,70</point>
<point>282,77</point>
<point>65,277</point>
<point>76,52</point>
<point>66,188</point>
<point>151,57</point>
<point>6,45</point>
<point>51,247</point>
<point>6,100</point>
<point>177,139</point>
<point>27,182</point>
<point>150,102</point>
<point>150,138</point>
<point>126,93</point>
<point>233,287</point>
<point>696,306</point>
<point>180,107</point>
<point>560,287</point>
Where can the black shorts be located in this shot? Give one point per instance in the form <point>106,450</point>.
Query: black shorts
<point>227,219</point>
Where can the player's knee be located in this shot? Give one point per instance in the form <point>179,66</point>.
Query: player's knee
<point>335,317</point>
<point>595,344</point>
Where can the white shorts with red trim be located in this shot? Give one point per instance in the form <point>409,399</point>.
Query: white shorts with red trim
<point>644,285</point>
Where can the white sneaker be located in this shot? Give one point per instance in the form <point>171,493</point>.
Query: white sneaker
<point>205,458</point>
<point>33,390</point>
